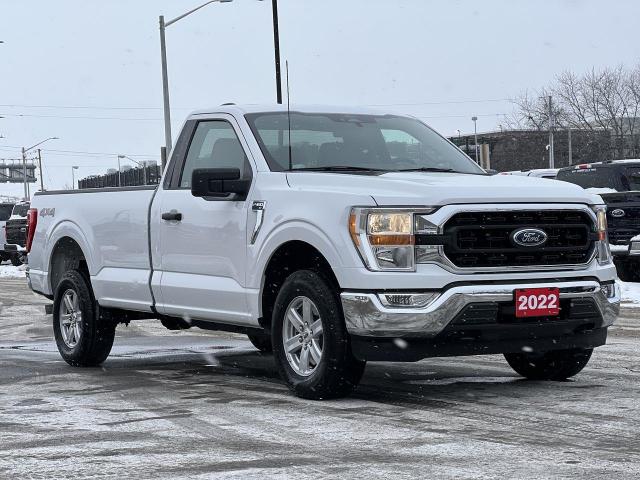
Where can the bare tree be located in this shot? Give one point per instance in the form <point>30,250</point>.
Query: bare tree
<point>607,99</point>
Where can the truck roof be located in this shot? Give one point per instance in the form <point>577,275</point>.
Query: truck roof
<point>611,163</point>
<point>274,107</point>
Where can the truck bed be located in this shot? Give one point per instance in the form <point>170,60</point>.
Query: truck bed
<point>111,226</point>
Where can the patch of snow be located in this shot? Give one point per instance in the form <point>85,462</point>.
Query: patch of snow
<point>9,271</point>
<point>618,248</point>
<point>600,191</point>
<point>630,293</point>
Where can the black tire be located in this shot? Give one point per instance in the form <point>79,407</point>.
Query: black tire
<point>96,337</point>
<point>16,261</point>
<point>554,365</point>
<point>261,341</point>
<point>337,372</point>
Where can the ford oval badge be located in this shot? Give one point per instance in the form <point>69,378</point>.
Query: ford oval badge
<point>529,237</point>
<point>618,213</point>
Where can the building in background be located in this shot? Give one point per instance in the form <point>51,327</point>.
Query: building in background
<point>528,149</point>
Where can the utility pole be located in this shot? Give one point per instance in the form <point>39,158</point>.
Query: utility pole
<point>551,125</point>
<point>119,178</point>
<point>40,168</point>
<point>165,88</point>
<point>570,146</point>
<point>475,136</point>
<point>24,173</point>
<point>276,45</point>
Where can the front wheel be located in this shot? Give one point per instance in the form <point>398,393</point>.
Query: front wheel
<point>310,342</point>
<point>554,365</point>
<point>82,339</point>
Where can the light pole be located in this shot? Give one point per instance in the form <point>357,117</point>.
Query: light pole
<point>165,76</point>
<point>73,177</point>
<point>24,164</point>
<point>475,136</point>
<point>551,125</point>
<point>144,167</point>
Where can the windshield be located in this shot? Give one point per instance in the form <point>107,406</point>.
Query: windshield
<point>21,210</point>
<point>591,177</point>
<point>370,142</point>
<point>631,178</point>
<point>5,211</point>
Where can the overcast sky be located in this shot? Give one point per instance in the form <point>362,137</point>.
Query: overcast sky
<point>88,71</point>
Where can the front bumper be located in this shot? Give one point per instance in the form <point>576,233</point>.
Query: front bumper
<point>366,316</point>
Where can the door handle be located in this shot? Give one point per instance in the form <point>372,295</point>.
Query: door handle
<point>172,216</point>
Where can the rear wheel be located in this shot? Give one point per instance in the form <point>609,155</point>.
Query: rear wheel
<point>554,365</point>
<point>310,342</point>
<point>82,339</point>
<point>16,260</point>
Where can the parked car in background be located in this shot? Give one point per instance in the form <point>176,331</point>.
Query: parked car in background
<point>5,213</point>
<point>537,172</point>
<point>618,183</point>
<point>16,234</point>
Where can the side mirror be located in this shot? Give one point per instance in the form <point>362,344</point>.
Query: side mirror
<point>218,182</point>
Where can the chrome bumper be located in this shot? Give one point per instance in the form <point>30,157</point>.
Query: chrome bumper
<point>365,315</point>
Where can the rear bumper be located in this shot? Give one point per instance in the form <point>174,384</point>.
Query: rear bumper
<point>366,316</point>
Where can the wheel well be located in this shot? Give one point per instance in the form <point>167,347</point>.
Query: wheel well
<point>287,259</point>
<point>66,255</point>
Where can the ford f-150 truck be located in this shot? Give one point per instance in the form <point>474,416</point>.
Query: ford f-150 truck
<point>334,237</point>
<point>618,183</point>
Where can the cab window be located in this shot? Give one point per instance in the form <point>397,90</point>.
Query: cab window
<point>214,145</point>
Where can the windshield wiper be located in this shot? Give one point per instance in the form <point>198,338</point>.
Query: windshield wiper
<point>337,168</point>
<point>428,169</point>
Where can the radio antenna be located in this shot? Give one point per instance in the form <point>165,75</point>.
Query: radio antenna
<point>289,115</point>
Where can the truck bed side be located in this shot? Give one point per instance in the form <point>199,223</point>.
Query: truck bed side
<point>110,227</point>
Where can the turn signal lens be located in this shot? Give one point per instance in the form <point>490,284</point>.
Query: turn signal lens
<point>602,224</point>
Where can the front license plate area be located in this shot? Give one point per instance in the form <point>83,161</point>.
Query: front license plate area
<point>537,302</point>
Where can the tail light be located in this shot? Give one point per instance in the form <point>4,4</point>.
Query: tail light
<point>32,221</point>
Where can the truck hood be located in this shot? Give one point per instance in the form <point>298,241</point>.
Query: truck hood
<point>425,188</point>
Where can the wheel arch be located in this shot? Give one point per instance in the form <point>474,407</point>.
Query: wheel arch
<point>287,258</point>
<point>66,254</point>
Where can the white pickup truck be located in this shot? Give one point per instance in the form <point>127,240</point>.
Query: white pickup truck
<point>334,237</point>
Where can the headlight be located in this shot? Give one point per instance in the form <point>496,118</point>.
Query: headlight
<point>384,237</point>
<point>602,245</point>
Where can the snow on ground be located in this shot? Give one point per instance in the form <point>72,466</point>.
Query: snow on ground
<point>9,271</point>
<point>630,293</point>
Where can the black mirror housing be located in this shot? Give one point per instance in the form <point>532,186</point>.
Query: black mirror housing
<point>218,182</point>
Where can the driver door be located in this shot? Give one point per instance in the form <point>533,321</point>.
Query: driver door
<point>203,244</point>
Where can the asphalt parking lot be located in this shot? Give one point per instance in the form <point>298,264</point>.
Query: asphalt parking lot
<point>194,404</point>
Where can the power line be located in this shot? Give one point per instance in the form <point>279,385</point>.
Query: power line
<point>79,117</point>
<point>449,102</point>
<point>56,151</point>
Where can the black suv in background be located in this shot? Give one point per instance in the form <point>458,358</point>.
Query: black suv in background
<point>618,183</point>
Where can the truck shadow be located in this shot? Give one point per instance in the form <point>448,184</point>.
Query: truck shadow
<point>431,383</point>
